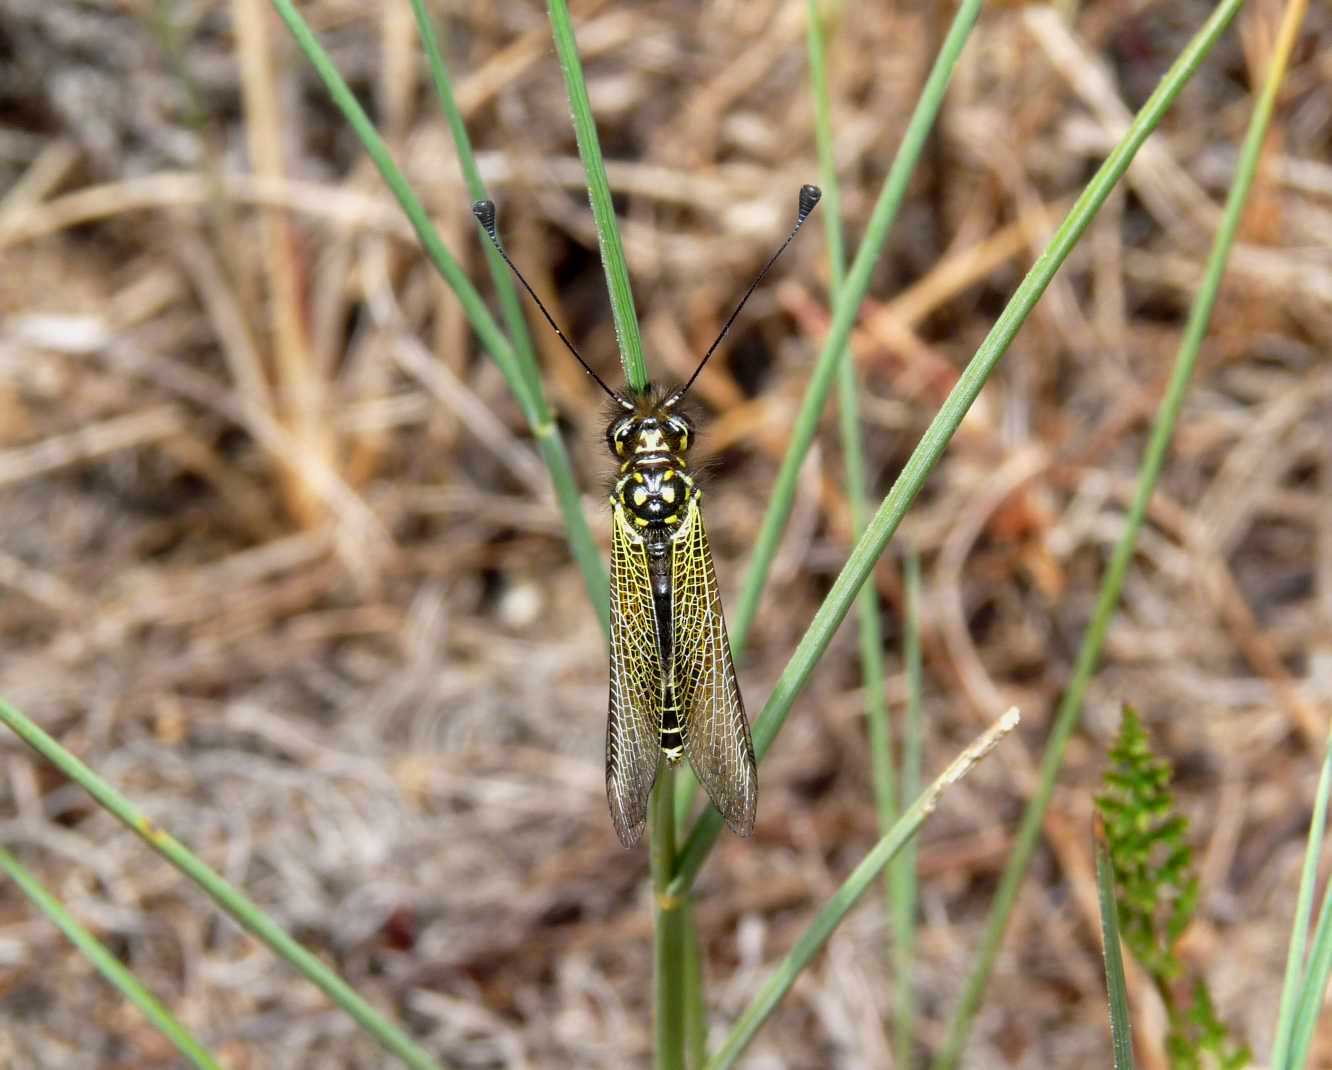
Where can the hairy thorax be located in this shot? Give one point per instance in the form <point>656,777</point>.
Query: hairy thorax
<point>654,487</point>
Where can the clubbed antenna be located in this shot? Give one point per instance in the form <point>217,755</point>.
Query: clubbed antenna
<point>485,215</point>
<point>809,197</point>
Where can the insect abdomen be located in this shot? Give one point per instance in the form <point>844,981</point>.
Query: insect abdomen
<point>672,733</point>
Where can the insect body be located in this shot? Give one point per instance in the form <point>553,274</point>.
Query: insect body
<point>673,691</point>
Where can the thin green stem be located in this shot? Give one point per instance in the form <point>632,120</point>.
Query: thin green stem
<point>868,612</point>
<point>1088,658</point>
<point>670,966</point>
<point>1285,1031</point>
<point>848,389</point>
<point>902,872</point>
<point>603,209</point>
<point>844,317</point>
<point>245,912</point>
<point>781,979</point>
<point>946,421</point>
<point>1117,992</point>
<point>521,375</point>
<point>107,964</point>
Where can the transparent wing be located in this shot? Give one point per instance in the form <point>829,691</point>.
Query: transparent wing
<point>715,730</point>
<point>633,730</point>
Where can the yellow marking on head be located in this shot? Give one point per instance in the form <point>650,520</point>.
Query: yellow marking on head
<point>640,522</point>
<point>670,519</point>
<point>640,495</point>
<point>649,442</point>
<point>684,441</point>
<point>668,494</point>
<point>638,477</point>
<point>668,474</point>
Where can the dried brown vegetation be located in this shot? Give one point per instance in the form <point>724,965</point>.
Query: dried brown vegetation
<point>277,557</point>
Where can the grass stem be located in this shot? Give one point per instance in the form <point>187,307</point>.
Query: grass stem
<point>1116,989</point>
<point>902,872</point>
<point>670,967</point>
<point>603,208</point>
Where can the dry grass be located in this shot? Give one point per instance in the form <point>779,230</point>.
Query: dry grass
<point>277,558</point>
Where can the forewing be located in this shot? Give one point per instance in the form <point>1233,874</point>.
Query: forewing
<point>633,730</point>
<point>715,730</point>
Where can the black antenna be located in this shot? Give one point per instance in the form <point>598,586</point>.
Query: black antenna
<point>485,215</point>
<point>809,197</point>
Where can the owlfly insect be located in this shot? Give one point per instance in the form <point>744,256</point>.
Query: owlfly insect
<point>673,691</point>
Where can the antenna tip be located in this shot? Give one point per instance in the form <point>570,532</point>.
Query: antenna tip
<point>809,197</point>
<point>485,215</point>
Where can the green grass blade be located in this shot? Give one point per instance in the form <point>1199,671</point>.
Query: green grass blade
<point>827,919</point>
<point>1290,989</point>
<point>1089,653</point>
<point>245,912</point>
<point>670,955</point>
<point>107,964</point>
<point>1116,989</point>
<point>844,316</point>
<point>868,611</point>
<point>521,376</point>
<point>511,305</point>
<point>867,601</point>
<point>598,189</point>
<point>935,440</point>
<point>1298,980</point>
<point>902,871</point>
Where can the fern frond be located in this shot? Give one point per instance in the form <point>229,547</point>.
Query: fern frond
<point>1157,894</point>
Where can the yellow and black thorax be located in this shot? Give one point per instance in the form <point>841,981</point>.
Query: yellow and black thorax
<point>650,439</point>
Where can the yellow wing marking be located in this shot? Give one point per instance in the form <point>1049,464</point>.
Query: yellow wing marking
<point>712,714</point>
<point>633,728</point>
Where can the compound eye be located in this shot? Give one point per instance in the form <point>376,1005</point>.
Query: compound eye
<point>621,435</point>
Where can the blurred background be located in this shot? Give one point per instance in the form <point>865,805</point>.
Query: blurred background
<point>279,559</point>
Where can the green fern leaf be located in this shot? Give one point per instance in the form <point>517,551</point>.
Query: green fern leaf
<point>1157,893</point>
